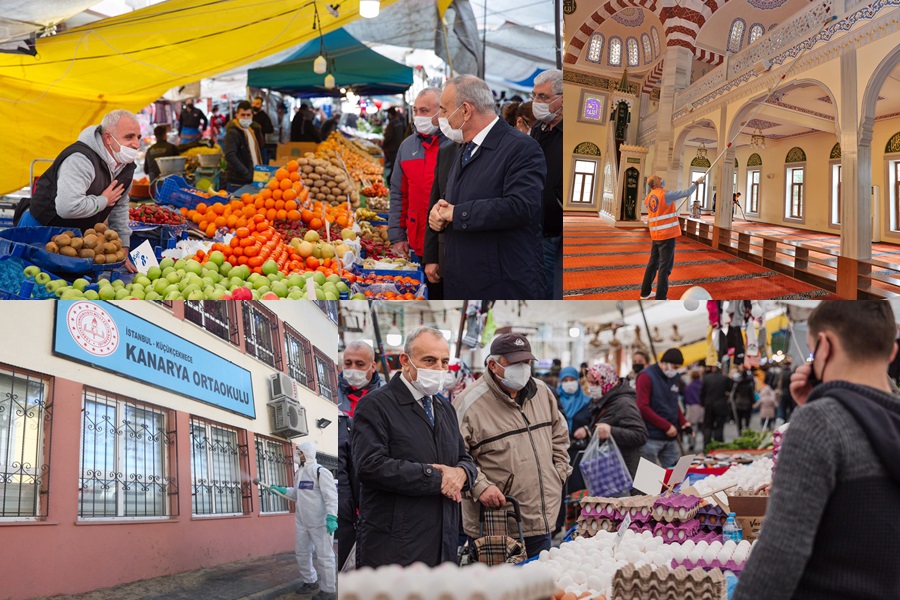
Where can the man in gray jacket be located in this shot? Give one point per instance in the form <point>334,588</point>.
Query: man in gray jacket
<point>88,183</point>
<point>830,529</point>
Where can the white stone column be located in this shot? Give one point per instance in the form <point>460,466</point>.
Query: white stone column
<point>725,174</point>
<point>856,167</point>
<point>675,77</point>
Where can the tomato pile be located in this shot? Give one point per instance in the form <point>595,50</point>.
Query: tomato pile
<point>376,190</point>
<point>157,215</point>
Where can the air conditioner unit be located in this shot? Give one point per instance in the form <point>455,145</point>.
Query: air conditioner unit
<point>289,419</point>
<point>282,386</point>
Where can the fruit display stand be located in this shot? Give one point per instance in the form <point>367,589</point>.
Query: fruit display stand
<point>54,249</point>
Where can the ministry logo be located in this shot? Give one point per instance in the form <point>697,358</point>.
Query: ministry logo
<point>92,328</point>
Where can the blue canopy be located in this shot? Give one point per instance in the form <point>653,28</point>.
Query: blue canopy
<point>355,66</point>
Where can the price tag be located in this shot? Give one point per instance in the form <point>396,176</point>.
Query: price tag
<point>620,534</point>
<point>143,257</point>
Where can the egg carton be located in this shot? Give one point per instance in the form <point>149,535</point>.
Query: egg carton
<point>672,507</point>
<point>590,527</point>
<point>676,532</point>
<point>641,527</point>
<point>594,512</point>
<point>711,516</point>
<point>729,565</point>
<point>663,583</point>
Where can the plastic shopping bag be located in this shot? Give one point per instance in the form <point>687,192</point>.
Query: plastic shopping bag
<point>604,470</point>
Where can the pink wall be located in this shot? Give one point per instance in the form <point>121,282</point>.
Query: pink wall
<point>60,556</point>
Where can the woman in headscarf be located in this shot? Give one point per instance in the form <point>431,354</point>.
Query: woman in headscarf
<point>576,408</point>
<point>614,412</point>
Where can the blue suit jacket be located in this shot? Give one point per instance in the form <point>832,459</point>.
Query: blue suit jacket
<point>493,247</point>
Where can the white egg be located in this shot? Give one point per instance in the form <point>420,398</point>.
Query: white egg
<point>730,544</point>
<point>724,555</point>
<point>595,582</point>
<point>688,545</point>
<point>702,546</point>
<point>710,555</point>
<point>717,545</point>
<point>740,554</point>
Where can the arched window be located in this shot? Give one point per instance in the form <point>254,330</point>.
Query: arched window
<point>648,51</point>
<point>633,58</point>
<point>595,48</point>
<point>736,37</point>
<point>655,37</point>
<point>756,32</point>
<point>615,52</point>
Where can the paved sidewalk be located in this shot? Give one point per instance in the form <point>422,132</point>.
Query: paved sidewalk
<point>268,578</point>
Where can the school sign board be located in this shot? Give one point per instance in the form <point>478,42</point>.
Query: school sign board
<point>109,338</point>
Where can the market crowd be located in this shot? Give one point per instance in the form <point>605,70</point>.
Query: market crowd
<point>420,465</point>
<point>478,198</point>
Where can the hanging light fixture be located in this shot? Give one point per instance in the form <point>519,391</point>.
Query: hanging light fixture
<point>369,9</point>
<point>701,151</point>
<point>758,140</point>
<point>320,65</point>
<point>329,81</point>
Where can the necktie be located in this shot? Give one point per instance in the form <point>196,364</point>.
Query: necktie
<point>426,403</point>
<point>467,153</point>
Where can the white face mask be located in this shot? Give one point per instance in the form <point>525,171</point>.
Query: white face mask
<point>428,381</point>
<point>570,387</point>
<point>449,380</point>
<point>425,126</point>
<point>356,378</point>
<point>516,376</point>
<point>125,154</point>
<point>245,123</point>
<point>454,135</point>
<point>541,111</point>
<point>595,391</point>
<point>670,372</point>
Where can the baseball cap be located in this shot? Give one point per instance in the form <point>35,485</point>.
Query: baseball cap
<point>513,347</point>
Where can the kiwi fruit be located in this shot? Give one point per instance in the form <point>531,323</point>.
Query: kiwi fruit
<point>110,257</point>
<point>111,235</point>
<point>62,240</point>
<point>118,243</point>
<point>90,240</point>
<point>120,255</point>
<point>68,251</point>
<point>77,243</point>
<point>69,233</point>
<point>109,248</point>
<point>100,228</point>
<point>89,232</point>
<point>100,259</point>
<point>52,247</point>
<point>86,253</point>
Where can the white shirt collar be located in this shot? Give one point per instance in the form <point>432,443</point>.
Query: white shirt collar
<point>479,138</point>
<point>417,395</point>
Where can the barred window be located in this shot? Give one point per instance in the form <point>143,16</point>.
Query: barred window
<point>25,418</point>
<point>126,449</point>
<point>261,334</point>
<point>330,308</point>
<point>326,376</point>
<point>299,357</point>
<point>212,316</point>
<point>218,457</point>
<point>274,462</point>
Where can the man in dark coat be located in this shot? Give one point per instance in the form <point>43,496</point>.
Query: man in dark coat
<point>714,391</point>
<point>348,491</point>
<point>191,122</point>
<point>410,461</point>
<point>433,257</point>
<point>242,151</point>
<point>261,118</point>
<point>744,393</point>
<point>493,207</point>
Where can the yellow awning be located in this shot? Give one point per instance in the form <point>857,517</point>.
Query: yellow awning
<point>129,61</point>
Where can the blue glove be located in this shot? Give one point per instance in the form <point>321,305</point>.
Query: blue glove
<point>331,524</point>
<point>279,489</point>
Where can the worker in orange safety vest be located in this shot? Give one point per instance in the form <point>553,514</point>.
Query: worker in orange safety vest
<point>662,209</point>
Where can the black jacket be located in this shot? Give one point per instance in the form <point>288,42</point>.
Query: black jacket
<point>551,141</point>
<point>393,137</point>
<point>403,518</point>
<point>238,154</point>
<point>348,491</point>
<point>744,392</point>
<point>493,247</point>
<point>303,129</point>
<point>262,119</point>
<point>714,390</point>
<point>434,241</point>
<point>192,117</point>
<point>618,408</point>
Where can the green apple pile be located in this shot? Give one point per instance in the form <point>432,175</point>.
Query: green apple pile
<point>215,280</point>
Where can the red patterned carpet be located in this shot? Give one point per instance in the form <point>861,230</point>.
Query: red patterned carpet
<point>602,262</point>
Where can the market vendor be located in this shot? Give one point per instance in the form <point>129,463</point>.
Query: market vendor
<point>242,151</point>
<point>162,149</point>
<point>88,183</point>
<point>191,122</point>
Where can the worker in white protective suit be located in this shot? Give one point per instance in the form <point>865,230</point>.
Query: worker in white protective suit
<point>316,498</point>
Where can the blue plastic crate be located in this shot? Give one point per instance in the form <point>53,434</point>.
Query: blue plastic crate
<point>14,285</point>
<point>172,192</point>
<point>33,240</point>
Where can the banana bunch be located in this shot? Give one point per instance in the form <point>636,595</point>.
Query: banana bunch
<point>364,214</point>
